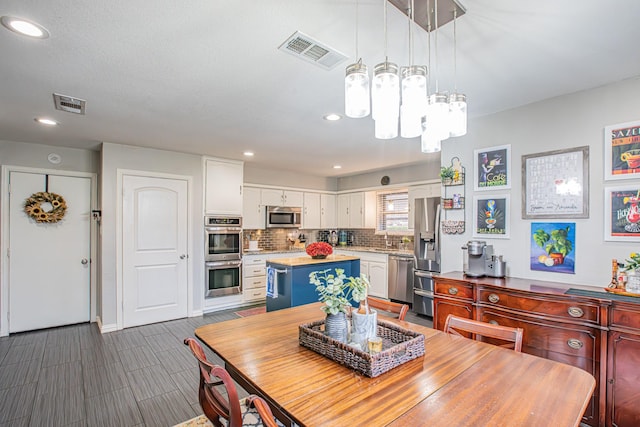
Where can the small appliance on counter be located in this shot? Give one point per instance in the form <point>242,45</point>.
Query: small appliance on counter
<point>479,260</point>
<point>333,238</point>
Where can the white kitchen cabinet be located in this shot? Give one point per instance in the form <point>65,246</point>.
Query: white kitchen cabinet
<point>274,197</point>
<point>311,211</point>
<point>374,265</point>
<point>328,211</point>
<point>357,210</point>
<point>421,192</point>
<point>254,278</point>
<point>253,214</point>
<point>223,187</point>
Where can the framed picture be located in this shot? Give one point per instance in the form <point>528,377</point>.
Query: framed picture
<point>621,213</point>
<point>492,168</point>
<point>555,184</point>
<point>553,247</point>
<point>491,216</point>
<point>622,151</point>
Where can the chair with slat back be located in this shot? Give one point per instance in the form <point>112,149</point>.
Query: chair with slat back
<point>389,306</point>
<point>513,336</point>
<point>216,406</point>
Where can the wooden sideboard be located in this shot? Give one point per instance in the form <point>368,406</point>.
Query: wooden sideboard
<point>593,331</point>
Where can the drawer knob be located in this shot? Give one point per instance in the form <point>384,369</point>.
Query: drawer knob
<point>453,290</point>
<point>575,312</point>
<point>574,343</point>
<point>494,298</point>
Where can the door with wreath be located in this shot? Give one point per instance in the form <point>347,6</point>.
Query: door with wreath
<point>49,250</point>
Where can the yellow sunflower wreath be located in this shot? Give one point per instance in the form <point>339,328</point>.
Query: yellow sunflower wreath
<point>34,210</point>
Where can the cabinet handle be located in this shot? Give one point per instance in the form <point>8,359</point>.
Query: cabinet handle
<point>575,312</point>
<point>453,290</point>
<point>494,298</point>
<point>574,343</point>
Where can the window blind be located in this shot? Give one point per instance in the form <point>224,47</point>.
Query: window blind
<point>392,211</point>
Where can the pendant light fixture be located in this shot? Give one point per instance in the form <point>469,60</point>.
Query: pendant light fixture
<point>356,85</point>
<point>438,109</point>
<point>429,143</point>
<point>457,101</point>
<point>414,90</point>
<point>385,93</point>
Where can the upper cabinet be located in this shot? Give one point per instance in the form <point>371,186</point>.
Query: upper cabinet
<point>357,210</point>
<point>328,211</point>
<point>253,213</point>
<point>421,192</point>
<point>223,187</point>
<point>271,197</point>
<point>311,211</point>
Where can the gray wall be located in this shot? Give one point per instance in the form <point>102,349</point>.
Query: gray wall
<point>114,157</point>
<point>263,176</point>
<point>564,122</point>
<point>428,169</point>
<point>35,156</point>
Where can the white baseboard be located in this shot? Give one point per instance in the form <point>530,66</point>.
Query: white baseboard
<point>106,328</point>
<point>196,313</point>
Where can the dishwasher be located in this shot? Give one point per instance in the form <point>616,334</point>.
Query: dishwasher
<point>400,278</point>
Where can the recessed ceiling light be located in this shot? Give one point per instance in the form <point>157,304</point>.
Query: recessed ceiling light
<point>45,121</point>
<point>332,117</point>
<point>337,167</point>
<point>24,27</point>
<point>248,153</point>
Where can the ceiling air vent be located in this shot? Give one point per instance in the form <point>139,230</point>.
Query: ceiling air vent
<point>304,47</point>
<point>69,103</point>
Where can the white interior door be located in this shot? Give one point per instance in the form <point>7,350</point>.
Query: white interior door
<point>49,269</point>
<point>154,253</point>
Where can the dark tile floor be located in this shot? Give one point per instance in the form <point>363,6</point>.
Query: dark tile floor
<point>75,376</point>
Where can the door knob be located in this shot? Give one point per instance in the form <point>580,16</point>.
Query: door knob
<point>84,261</point>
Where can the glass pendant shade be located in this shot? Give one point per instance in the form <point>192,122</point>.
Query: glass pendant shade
<point>385,91</point>
<point>438,116</point>
<point>414,100</point>
<point>386,127</point>
<point>457,114</point>
<point>356,91</point>
<point>429,143</point>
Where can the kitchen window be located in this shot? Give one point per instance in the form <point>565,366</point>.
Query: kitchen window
<point>392,211</point>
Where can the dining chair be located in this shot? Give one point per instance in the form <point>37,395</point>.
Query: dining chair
<point>455,325</point>
<point>216,406</point>
<point>389,306</point>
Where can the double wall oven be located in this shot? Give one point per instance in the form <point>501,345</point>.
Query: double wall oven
<point>223,256</point>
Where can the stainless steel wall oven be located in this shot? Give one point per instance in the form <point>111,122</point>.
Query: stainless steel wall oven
<point>223,256</point>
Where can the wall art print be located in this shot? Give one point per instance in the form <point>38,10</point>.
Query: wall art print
<point>622,151</point>
<point>491,216</point>
<point>553,247</point>
<point>492,168</point>
<point>622,213</point>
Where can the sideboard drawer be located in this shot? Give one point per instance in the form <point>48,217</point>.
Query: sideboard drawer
<point>572,340</point>
<point>543,305</point>
<point>625,315</point>
<point>455,290</point>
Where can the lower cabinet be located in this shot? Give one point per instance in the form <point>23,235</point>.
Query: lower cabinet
<point>254,278</point>
<point>623,366</point>
<point>375,267</point>
<point>452,298</point>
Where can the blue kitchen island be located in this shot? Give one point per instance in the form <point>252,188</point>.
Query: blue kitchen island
<point>291,278</point>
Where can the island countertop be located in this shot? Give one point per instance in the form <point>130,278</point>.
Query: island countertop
<point>307,260</point>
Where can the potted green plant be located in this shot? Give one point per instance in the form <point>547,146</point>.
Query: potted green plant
<point>447,174</point>
<point>336,290</point>
<point>557,245</point>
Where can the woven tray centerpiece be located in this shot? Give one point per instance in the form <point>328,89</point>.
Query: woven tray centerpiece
<point>399,346</point>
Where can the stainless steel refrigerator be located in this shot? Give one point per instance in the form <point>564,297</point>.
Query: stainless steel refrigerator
<point>427,253</point>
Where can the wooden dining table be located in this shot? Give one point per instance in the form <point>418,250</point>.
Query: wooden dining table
<point>458,381</point>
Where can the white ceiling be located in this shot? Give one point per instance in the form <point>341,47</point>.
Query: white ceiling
<point>205,76</point>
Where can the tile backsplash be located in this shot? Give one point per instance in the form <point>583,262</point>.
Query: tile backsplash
<point>272,239</point>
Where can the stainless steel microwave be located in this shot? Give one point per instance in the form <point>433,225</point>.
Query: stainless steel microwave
<point>283,217</point>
